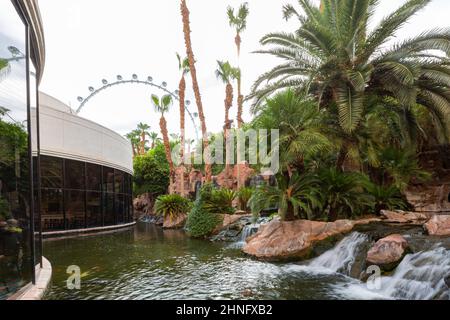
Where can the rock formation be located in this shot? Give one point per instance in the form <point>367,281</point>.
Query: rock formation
<point>289,240</point>
<point>388,252</point>
<point>438,226</point>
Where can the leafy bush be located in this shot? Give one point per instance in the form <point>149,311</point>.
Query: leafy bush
<point>217,200</point>
<point>200,221</point>
<point>244,194</point>
<point>171,205</point>
<point>343,193</point>
<point>386,198</point>
<point>151,172</point>
<point>295,197</point>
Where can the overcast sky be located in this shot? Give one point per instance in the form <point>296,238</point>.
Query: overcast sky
<point>88,40</point>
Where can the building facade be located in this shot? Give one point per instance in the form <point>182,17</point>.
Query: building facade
<point>58,172</point>
<point>21,66</point>
<point>86,171</point>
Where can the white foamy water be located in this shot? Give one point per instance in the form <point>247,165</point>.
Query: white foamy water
<point>342,257</point>
<point>419,276</point>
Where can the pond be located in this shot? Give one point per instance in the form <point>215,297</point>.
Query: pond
<point>146,262</point>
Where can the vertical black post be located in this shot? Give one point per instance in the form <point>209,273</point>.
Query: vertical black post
<point>30,153</point>
<point>63,190</point>
<point>102,197</point>
<point>85,196</point>
<point>38,174</point>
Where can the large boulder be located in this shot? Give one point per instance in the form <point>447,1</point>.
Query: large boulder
<point>176,222</point>
<point>143,205</point>
<point>438,226</point>
<point>404,217</point>
<point>293,240</point>
<point>387,252</point>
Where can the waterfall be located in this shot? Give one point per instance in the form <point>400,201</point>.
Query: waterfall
<point>247,231</point>
<point>419,276</point>
<point>343,256</point>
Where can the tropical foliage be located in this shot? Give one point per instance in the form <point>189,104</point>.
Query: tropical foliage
<point>151,172</point>
<point>171,206</point>
<point>348,68</point>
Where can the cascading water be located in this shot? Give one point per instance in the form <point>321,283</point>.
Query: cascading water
<point>343,256</point>
<point>247,231</point>
<point>420,276</point>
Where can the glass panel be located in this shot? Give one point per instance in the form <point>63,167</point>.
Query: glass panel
<point>52,210</point>
<point>108,179</point>
<point>74,177</point>
<point>108,209</point>
<point>120,211</point>
<point>119,181</point>
<point>15,253</point>
<point>93,209</point>
<point>93,177</point>
<point>74,208</point>
<point>51,172</point>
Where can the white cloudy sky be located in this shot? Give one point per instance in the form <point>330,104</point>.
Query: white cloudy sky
<point>88,40</point>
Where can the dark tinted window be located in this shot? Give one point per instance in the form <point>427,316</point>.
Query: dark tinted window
<point>94,209</point>
<point>93,177</point>
<point>74,175</point>
<point>74,205</point>
<point>108,179</point>
<point>52,209</point>
<point>51,172</point>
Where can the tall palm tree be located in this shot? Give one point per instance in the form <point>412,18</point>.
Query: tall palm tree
<point>238,21</point>
<point>154,138</point>
<point>226,73</point>
<point>143,129</point>
<point>190,55</point>
<point>183,66</point>
<point>162,106</point>
<point>334,56</point>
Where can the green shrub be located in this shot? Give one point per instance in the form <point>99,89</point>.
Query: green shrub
<point>200,221</point>
<point>244,194</point>
<point>386,198</point>
<point>171,205</point>
<point>217,200</point>
<point>151,173</point>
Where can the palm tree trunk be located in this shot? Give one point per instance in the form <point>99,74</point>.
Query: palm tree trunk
<point>240,102</point>
<point>142,152</point>
<point>227,126</point>
<point>165,134</point>
<point>198,98</point>
<point>182,90</point>
<point>342,156</point>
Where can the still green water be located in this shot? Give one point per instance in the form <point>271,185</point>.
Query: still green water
<point>146,262</point>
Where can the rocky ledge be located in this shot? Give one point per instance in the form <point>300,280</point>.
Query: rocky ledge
<point>294,240</point>
<point>438,226</point>
<point>388,252</point>
<point>399,216</point>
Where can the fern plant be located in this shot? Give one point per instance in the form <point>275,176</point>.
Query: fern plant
<point>172,206</point>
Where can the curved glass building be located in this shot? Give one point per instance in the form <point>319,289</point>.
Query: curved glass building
<point>59,173</point>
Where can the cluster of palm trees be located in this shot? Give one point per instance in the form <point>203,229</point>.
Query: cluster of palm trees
<point>138,138</point>
<point>187,66</point>
<point>347,100</point>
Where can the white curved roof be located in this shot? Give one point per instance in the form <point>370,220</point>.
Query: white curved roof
<point>66,135</point>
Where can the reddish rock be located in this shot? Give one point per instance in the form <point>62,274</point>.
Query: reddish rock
<point>143,204</point>
<point>404,217</point>
<point>438,226</point>
<point>387,252</point>
<point>288,240</point>
<point>175,223</point>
